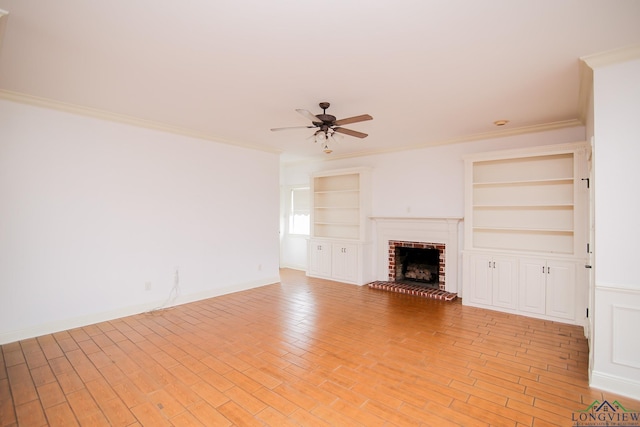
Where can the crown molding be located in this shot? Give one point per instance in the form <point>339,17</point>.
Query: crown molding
<point>585,91</point>
<point>616,56</point>
<point>120,118</point>
<point>475,137</point>
<point>597,60</point>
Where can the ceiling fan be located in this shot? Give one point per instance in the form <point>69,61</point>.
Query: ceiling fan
<point>328,126</point>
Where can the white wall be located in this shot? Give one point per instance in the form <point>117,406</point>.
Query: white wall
<point>91,211</point>
<point>616,348</point>
<point>427,182</point>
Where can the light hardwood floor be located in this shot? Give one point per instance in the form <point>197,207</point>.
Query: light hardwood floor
<point>303,352</point>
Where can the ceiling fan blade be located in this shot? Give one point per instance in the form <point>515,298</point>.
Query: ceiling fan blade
<point>351,132</point>
<point>292,127</point>
<point>309,115</point>
<point>355,119</point>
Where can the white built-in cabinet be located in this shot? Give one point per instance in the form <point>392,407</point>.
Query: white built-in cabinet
<point>548,286</point>
<point>495,279</point>
<point>319,258</point>
<point>526,231</point>
<point>337,261</point>
<point>340,248</point>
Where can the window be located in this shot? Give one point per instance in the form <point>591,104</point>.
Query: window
<point>299,212</point>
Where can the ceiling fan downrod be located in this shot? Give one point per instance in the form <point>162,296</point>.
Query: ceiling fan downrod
<point>326,119</point>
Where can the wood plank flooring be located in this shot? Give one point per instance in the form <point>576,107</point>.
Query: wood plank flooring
<point>302,352</point>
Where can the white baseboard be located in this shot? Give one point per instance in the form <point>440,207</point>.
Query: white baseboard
<point>618,385</point>
<point>295,267</point>
<point>77,322</point>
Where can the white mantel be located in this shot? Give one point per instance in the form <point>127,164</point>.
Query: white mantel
<point>414,229</point>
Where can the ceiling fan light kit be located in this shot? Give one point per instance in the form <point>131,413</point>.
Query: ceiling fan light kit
<point>328,127</point>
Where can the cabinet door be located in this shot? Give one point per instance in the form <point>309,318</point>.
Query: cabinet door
<point>532,285</point>
<point>319,258</point>
<point>345,261</point>
<point>561,289</point>
<point>505,282</point>
<point>480,285</point>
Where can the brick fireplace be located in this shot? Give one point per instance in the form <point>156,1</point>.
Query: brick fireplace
<point>439,233</point>
<point>395,265</point>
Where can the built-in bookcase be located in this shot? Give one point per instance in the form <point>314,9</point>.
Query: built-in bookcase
<point>336,206</point>
<point>340,247</point>
<point>524,203</point>
<point>526,231</point>
<point>341,204</point>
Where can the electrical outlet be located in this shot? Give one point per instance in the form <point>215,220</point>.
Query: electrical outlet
<point>259,267</point>
<point>147,286</point>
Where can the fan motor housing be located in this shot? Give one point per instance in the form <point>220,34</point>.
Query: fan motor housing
<point>326,118</point>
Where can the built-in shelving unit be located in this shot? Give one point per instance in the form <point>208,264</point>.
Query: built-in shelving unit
<point>339,247</point>
<point>336,206</point>
<point>526,204</point>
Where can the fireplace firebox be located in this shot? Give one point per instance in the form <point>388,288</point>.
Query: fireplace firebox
<point>417,263</point>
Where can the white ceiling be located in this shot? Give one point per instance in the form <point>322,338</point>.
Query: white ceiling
<point>428,71</point>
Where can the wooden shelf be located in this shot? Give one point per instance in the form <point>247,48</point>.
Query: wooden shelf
<point>526,206</point>
<point>526,230</point>
<point>336,191</point>
<point>523,241</point>
<point>525,168</point>
<point>351,224</point>
<point>348,182</point>
<point>567,180</point>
